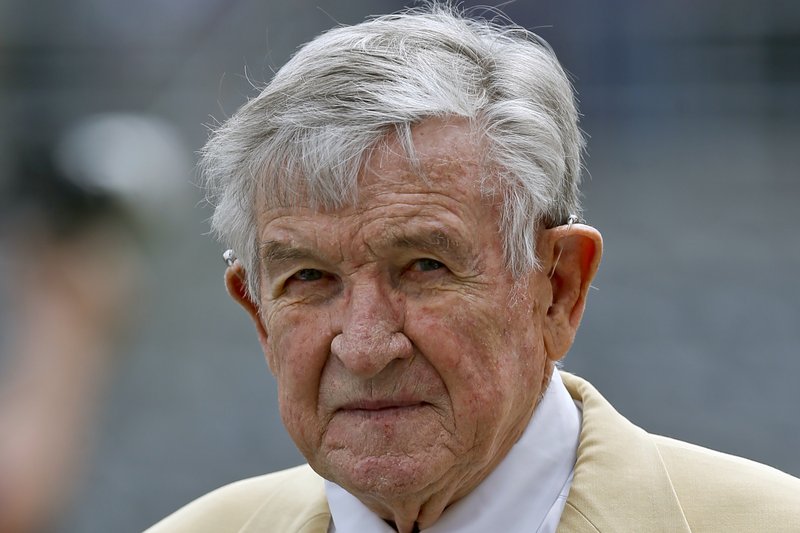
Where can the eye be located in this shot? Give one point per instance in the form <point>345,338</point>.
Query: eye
<point>309,284</point>
<point>426,265</point>
<point>308,274</point>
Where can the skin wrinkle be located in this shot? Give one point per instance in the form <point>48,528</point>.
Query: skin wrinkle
<point>282,255</point>
<point>374,328</point>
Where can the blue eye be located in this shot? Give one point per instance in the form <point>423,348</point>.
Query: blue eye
<point>308,274</point>
<point>426,265</point>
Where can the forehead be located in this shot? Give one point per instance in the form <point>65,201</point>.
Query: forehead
<point>443,150</point>
<point>446,168</point>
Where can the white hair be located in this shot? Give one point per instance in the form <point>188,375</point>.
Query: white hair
<point>307,134</point>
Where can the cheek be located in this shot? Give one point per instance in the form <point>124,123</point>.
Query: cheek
<point>298,345</point>
<point>297,353</point>
<point>462,345</point>
<point>483,357</point>
<point>524,359</point>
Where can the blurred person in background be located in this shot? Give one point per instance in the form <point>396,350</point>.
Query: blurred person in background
<point>73,244</point>
<point>402,202</point>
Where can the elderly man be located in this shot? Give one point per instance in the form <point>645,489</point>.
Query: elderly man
<point>402,200</point>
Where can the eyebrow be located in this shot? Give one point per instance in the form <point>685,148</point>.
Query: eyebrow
<point>278,251</point>
<point>435,241</point>
<point>275,253</point>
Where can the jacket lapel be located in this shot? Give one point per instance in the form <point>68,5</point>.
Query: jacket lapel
<point>620,481</point>
<point>299,507</point>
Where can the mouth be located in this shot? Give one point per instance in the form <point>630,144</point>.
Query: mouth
<point>381,408</point>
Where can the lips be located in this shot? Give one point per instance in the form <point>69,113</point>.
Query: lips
<point>381,410</point>
<point>379,405</point>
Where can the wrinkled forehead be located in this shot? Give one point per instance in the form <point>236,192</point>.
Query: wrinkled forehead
<point>433,155</point>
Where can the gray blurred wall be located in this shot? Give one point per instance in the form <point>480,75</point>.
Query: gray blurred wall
<point>693,118</point>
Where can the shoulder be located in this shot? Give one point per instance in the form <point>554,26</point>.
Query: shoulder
<point>285,496</point>
<point>656,478</point>
<point>715,487</point>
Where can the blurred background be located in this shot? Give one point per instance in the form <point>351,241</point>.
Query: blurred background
<point>130,384</point>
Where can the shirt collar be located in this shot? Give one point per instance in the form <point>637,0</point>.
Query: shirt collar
<point>527,489</point>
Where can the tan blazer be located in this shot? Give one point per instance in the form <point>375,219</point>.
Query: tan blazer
<point>626,480</point>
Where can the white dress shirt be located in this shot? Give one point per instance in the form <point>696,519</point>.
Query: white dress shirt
<point>525,493</point>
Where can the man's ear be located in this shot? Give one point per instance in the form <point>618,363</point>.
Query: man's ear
<point>236,284</point>
<point>571,256</point>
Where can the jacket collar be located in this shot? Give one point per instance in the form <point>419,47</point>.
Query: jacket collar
<point>301,505</point>
<point>620,482</point>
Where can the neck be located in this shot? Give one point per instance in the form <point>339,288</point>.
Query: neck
<point>414,529</point>
<point>410,515</point>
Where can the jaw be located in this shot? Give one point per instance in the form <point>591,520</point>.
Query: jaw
<point>410,488</point>
<point>403,473</point>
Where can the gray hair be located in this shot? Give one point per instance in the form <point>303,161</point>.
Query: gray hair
<point>306,136</point>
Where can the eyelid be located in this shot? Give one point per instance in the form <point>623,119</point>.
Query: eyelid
<point>433,259</point>
<point>413,268</point>
<point>296,273</point>
<point>277,284</point>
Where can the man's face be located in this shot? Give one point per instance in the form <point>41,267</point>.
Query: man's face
<point>408,362</point>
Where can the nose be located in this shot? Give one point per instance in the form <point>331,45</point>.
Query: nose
<point>371,334</point>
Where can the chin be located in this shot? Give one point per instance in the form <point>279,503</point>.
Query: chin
<point>387,476</point>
